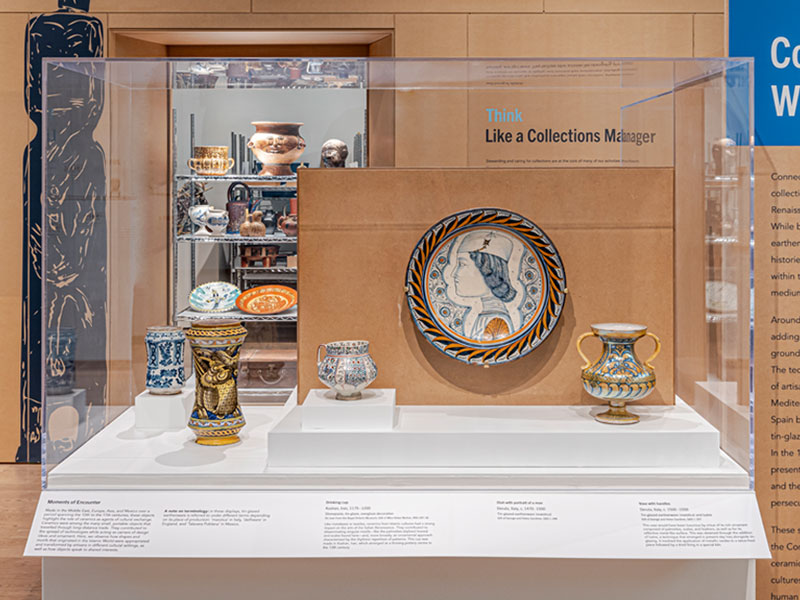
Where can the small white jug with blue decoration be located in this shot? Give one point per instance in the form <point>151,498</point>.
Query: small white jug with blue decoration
<point>347,368</point>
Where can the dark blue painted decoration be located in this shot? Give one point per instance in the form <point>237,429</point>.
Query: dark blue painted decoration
<point>768,32</point>
<point>75,195</point>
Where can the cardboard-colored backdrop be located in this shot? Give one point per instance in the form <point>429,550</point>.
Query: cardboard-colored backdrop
<point>613,228</point>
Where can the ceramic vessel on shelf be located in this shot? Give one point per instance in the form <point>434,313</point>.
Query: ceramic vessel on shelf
<point>216,416</point>
<point>164,359</point>
<point>333,154</point>
<point>347,368</point>
<point>267,299</point>
<point>288,224</point>
<point>618,376</point>
<point>237,206</point>
<point>276,146</point>
<point>210,160</point>
<point>214,296</point>
<point>252,226</point>
<point>209,220</point>
<point>60,361</point>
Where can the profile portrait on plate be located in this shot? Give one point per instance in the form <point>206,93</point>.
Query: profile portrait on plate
<point>485,286</point>
<point>482,272</point>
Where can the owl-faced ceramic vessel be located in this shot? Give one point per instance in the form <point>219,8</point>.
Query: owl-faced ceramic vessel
<point>347,368</point>
<point>618,376</point>
<point>276,146</point>
<point>164,360</point>
<point>216,416</point>
<point>60,363</point>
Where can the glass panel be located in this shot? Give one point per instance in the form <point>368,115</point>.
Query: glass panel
<point>133,193</point>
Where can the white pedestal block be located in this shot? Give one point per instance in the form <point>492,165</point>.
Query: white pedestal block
<point>164,411</point>
<point>504,436</point>
<point>374,411</point>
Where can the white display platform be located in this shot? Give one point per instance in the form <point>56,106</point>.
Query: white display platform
<point>374,411</point>
<point>504,436</point>
<point>163,412</point>
<point>122,457</point>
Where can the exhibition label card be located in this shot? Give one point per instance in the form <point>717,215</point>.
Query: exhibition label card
<point>291,524</point>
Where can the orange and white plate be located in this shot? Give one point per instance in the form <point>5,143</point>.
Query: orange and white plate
<point>267,299</point>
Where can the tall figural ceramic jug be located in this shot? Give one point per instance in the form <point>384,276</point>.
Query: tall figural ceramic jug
<point>618,376</point>
<point>216,416</point>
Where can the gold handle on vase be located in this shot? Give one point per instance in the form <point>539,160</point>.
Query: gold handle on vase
<point>190,163</point>
<point>230,163</point>
<point>578,346</point>
<point>655,352</point>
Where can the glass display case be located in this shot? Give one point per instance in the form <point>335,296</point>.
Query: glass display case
<point>639,170</point>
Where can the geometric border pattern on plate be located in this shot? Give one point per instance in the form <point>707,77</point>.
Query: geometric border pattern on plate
<point>524,340</point>
<point>231,305</point>
<point>246,297</point>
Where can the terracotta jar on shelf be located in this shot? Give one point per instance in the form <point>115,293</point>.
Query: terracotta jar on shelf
<point>288,225</point>
<point>276,146</point>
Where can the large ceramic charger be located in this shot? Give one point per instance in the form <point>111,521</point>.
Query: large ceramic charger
<point>215,296</point>
<point>267,299</point>
<point>485,286</point>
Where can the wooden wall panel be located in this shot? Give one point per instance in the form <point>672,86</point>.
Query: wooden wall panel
<point>634,6</point>
<point>27,6</point>
<point>431,35</point>
<point>580,35</point>
<point>709,35</point>
<point>16,133</point>
<point>274,50</point>
<point>399,6</point>
<point>172,6</point>
<point>250,21</point>
<point>123,45</point>
<point>431,128</point>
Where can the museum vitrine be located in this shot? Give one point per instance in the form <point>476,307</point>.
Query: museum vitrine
<point>470,218</point>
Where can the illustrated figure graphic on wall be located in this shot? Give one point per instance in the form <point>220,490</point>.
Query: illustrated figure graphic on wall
<point>75,195</point>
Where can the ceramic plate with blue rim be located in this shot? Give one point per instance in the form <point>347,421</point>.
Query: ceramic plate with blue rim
<point>485,286</point>
<point>215,296</point>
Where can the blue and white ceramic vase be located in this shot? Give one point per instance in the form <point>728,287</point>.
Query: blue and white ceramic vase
<point>618,376</point>
<point>347,368</point>
<point>60,361</point>
<point>164,360</point>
